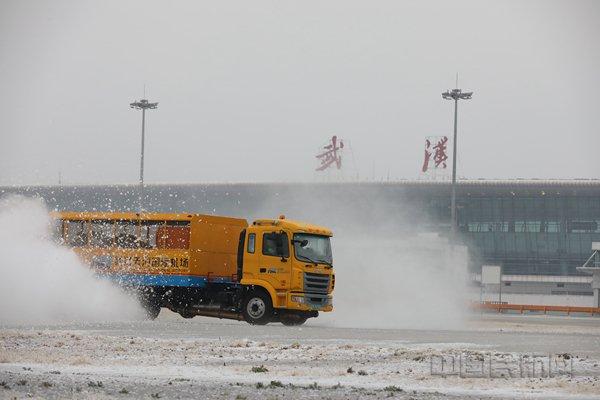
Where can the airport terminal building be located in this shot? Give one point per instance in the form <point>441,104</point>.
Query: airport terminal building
<point>530,227</point>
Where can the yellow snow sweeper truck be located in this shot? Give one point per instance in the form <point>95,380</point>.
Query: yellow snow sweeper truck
<point>274,270</point>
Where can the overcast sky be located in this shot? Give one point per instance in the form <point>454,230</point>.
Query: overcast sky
<point>249,90</point>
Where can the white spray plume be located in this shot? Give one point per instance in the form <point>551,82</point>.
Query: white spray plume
<point>41,282</point>
<point>393,270</point>
<point>383,281</point>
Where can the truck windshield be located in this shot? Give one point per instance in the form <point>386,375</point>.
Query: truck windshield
<point>312,248</point>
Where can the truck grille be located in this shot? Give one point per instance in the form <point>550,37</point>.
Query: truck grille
<point>315,288</point>
<point>315,285</point>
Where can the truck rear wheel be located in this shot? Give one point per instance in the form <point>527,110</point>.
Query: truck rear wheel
<point>150,302</point>
<point>257,308</point>
<point>151,308</point>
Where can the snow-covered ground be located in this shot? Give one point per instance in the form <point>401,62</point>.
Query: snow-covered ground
<point>206,358</point>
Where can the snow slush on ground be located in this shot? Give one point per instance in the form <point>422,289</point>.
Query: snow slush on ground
<point>205,358</point>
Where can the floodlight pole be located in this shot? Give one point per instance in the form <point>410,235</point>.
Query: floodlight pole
<point>142,155</point>
<point>454,94</point>
<point>142,105</point>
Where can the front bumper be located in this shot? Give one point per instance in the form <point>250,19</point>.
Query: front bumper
<point>310,302</point>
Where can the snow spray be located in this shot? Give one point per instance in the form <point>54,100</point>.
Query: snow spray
<point>42,282</point>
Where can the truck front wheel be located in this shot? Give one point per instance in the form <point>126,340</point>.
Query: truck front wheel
<point>257,308</point>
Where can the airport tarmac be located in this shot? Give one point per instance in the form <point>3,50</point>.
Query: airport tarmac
<point>494,356</point>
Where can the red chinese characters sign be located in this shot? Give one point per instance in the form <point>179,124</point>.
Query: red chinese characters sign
<point>436,151</point>
<point>331,154</point>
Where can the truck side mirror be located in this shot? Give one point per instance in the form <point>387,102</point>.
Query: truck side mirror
<point>303,243</point>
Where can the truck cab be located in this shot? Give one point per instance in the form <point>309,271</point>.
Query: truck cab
<point>287,268</point>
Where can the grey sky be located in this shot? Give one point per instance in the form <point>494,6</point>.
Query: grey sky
<point>248,91</point>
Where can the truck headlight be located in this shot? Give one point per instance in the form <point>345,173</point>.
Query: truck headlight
<point>298,299</point>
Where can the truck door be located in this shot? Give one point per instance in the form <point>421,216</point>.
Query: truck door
<point>274,262</point>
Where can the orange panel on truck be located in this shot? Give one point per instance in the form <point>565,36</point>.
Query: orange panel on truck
<point>215,245</point>
<point>173,237</point>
